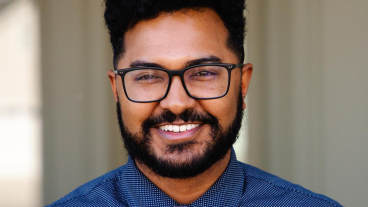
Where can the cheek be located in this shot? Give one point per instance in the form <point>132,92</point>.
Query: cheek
<point>224,109</point>
<point>134,114</point>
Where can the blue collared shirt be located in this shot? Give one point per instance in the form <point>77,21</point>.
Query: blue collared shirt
<point>239,185</point>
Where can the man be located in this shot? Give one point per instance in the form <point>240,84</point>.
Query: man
<point>179,83</point>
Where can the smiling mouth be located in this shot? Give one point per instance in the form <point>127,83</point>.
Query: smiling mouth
<point>178,128</point>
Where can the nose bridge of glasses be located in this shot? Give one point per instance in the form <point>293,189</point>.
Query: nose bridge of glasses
<point>180,73</point>
<point>173,73</point>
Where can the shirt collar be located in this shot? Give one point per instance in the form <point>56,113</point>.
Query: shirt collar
<point>140,191</point>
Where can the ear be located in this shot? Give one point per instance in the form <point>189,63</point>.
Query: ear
<point>112,77</point>
<point>246,76</point>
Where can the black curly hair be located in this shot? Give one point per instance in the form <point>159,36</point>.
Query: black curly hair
<point>122,15</point>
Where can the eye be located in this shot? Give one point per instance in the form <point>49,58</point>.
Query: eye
<point>145,77</point>
<point>204,73</point>
<point>149,78</point>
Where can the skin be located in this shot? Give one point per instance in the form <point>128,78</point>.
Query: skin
<point>173,40</point>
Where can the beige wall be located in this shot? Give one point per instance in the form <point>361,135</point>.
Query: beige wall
<point>307,105</point>
<point>81,139</point>
<point>309,94</point>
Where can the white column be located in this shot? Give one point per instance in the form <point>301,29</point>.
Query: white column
<point>20,105</point>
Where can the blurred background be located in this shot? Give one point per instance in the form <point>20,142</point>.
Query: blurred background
<point>307,109</point>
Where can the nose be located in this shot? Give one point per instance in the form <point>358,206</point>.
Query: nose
<point>177,100</point>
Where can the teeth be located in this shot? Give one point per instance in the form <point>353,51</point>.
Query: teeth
<point>183,128</point>
<point>178,128</point>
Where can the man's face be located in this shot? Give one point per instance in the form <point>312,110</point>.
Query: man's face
<point>172,41</point>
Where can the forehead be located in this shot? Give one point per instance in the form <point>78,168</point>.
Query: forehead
<point>179,36</point>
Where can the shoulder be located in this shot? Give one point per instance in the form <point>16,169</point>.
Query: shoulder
<point>264,189</point>
<point>102,191</point>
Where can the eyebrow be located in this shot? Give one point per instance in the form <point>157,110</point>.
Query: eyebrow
<point>209,59</point>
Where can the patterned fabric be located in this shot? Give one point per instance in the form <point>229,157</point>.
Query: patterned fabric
<point>239,185</point>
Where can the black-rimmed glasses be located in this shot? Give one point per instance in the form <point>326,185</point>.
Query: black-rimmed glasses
<point>150,84</point>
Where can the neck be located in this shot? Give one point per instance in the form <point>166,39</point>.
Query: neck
<point>186,191</point>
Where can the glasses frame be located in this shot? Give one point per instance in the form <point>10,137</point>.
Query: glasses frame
<point>180,73</point>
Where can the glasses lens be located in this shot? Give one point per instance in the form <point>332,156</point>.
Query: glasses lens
<point>207,81</point>
<point>146,84</point>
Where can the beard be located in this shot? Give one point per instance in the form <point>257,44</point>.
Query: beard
<point>139,145</point>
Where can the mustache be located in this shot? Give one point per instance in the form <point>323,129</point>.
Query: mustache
<point>189,115</point>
